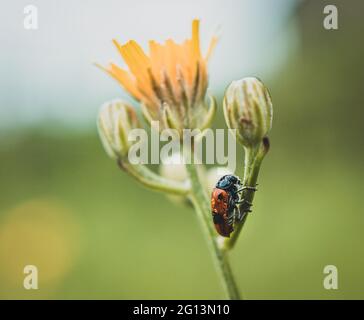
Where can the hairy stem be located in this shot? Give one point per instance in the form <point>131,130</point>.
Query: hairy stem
<point>202,205</point>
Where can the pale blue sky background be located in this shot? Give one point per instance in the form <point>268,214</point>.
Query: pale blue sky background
<point>48,74</point>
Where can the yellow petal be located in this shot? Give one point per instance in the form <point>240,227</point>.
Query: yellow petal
<point>196,39</point>
<point>124,78</point>
<point>156,59</point>
<point>212,46</point>
<point>135,60</point>
<point>138,63</point>
<point>172,50</point>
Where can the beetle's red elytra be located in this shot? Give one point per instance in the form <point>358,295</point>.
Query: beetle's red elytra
<point>220,200</point>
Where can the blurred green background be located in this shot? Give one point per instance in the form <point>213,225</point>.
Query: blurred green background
<point>94,232</point>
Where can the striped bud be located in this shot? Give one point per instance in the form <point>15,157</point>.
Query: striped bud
<point>248,109</point>
<point>115,121</point>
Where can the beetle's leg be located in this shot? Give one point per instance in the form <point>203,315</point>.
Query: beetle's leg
<point>230,219</point>
<point>231,210</point>
<point>239,216</point>
<point>247,188</point>
<point>244,201</point>
<point>231,213</point>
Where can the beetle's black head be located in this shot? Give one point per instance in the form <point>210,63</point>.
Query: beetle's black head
<point>228,182</point>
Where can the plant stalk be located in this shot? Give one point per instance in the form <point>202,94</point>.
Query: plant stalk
<point>252,164</point>
<point>202,205</point>
<point>154,181</point>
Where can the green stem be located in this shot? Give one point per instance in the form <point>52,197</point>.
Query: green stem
<point>253,161</point>
<point>202,205</point>
<point>154,181</point>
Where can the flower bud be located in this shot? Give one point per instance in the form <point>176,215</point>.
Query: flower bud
<point>248,109</point>
<point>116,119</point>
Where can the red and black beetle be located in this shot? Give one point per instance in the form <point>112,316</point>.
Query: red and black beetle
<point>224,200</point>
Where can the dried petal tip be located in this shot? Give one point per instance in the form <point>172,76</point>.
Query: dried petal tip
<point>114,123</point>
<point>248,109</point>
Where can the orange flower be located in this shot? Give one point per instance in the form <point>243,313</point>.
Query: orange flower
<point>170,82</point>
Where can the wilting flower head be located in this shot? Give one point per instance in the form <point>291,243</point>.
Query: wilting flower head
<point>170,82</point>
<point>248,109</point>
<point>114,123</point>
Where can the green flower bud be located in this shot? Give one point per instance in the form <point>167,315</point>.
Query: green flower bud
<point>248,109</point>
<point>115,121</point>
